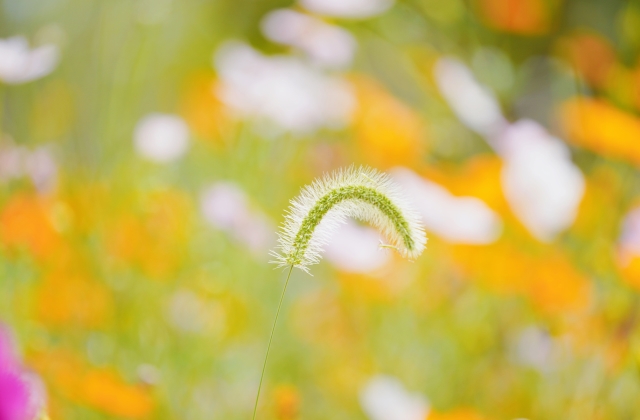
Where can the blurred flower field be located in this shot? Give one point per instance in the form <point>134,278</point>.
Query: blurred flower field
<point>149,149</point>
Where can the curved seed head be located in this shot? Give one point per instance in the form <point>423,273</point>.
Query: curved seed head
<point>360,193</point>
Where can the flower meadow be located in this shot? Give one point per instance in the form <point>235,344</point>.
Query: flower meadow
<point>157,155</point>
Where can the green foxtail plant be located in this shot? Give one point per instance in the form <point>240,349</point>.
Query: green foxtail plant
<point>360,193</point>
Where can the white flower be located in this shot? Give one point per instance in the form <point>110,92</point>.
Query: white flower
<point>19,64</point>
<point>361,193</point>
<point>356,249</point>
<point>384,398</point>
<point>161,137</point>
<point>466,220</point>
<point>473,104</point>
<point>226,207</point>
<point>542,185</point>
<point>326,45</point>
<point>347,8</point>
<point>282,90</point>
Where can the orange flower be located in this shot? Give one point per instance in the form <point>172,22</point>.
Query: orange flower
<point>551,283</point>
<point>457,414</point>
<point>499,267</point>
<point>25,222</point>
<point>388,132</point>
<point>287,402</point>
<point>202,110</point>
<point>480,177</point>
<point>603,128</point>
<point>70,299</point>
<point>591,55</point>
<point>69,376</point>
<point>524,17</point>
<point>152,240</point>
<point>105,390</point>
<point>557,287</point>
<point>62,370</point>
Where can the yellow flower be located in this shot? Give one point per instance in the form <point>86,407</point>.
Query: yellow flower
<point>387,131</point>
<point>602,128</point>
<point>457,414</point>
<point>66,298</point>
<point>206,115</point>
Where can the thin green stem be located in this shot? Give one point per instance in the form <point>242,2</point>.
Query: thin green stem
<point>266,356</point>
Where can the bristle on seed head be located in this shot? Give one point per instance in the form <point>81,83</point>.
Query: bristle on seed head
<point>361,193</point>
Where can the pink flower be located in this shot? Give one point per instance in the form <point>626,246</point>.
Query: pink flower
<point>21,393</point>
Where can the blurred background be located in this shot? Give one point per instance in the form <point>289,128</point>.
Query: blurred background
<point>149,148</point>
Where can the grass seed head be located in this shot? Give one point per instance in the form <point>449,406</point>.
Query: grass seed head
<point>360,193</point>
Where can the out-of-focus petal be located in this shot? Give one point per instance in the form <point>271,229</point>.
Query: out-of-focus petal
<point>347,8</point>
<point>385,398</point>
<point>473,104</point>
<point>281,90</point>
<point>226,207</point>
<point>464,220</point>
<point>601,127</point>
<point>18,64</point>
<point>542,185</point>
<point>354,248</point>
<point>325,44</point>
<point>161,138</point>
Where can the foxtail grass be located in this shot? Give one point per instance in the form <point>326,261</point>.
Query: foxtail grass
<point>360,193</point>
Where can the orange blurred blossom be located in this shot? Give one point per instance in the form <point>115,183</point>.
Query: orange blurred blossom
<point>68,376</point>
<point>603,128</point>
<point>66,298</point>
<point>25,222</point>
<point>523,17</point>
<point>206,115</point>
<point>286,400</point>
<point>591,55</point>
<point>388,132</point>
<point>550,282</point>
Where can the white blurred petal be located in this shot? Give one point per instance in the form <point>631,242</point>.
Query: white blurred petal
<point>465,220</point>
<point>161,137</point>
<point>326,45</point>
<point>473,104</point>
<point>347,8</point>
<point>282,90</point>
<point>384,398</point>
<point>226,207</point>
<point>354,248</point>
<point>42,169</point>
<point>542,185</point>
<point>12,161</point>
<point>19,64</point>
